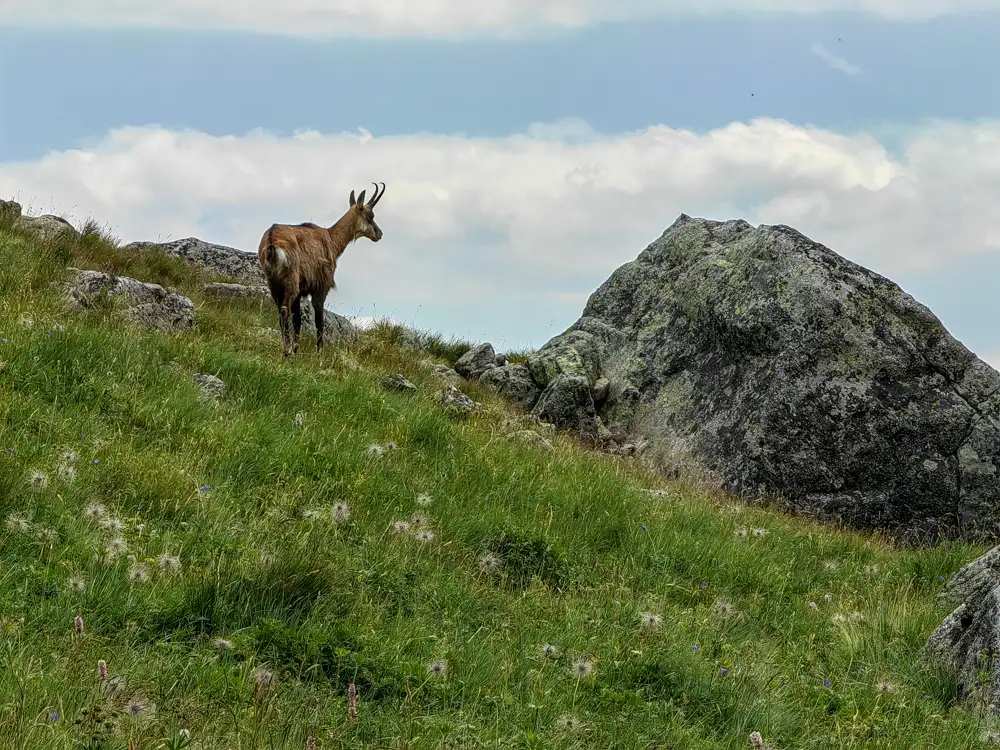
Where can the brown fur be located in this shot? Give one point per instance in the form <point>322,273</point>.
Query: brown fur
<point>301,259</point>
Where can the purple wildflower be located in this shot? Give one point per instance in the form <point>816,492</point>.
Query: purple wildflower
<point>694,649</point>
<point>644,527</point>
<point>54,716</point>
<point>96,461</point>
<point>723,671</point>
<point>704,585</point>
<point>205,488</point>
<point>827,683</point>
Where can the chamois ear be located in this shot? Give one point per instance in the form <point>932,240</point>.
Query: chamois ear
<point>361,199</point>
<point>352,198</point>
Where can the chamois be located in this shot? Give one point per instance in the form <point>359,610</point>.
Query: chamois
<point>301,259</point>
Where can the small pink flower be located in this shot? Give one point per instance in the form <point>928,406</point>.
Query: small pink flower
<point>311,742</point>
<point>102,669</point>
<point>78,624</point>
<point>352,700</point>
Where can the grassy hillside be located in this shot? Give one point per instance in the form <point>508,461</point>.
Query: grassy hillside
<point>236,566</point>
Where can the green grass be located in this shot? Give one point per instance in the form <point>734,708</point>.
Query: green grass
<point>242,496</point>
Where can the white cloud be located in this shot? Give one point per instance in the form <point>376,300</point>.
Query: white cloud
<point>433,17</point>
<point>519,230</point>
<point>835,61</point>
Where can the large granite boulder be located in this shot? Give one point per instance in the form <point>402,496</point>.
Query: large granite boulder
<point>513,383</point>
<point>968,641</point>
<point>46,226</point>
<point>221,259</point>
<point>766,362</point>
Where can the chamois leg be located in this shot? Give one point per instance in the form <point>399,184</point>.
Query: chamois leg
<point>317,302</point>
<point>279,297</point>
<point>288,304</point>
<point>296,323</point>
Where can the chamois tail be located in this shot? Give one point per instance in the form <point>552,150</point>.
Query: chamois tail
<point>274,257</point>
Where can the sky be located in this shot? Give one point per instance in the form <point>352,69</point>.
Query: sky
<point>528,147</point>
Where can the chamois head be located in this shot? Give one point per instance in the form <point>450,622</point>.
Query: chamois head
<point>364,215</point>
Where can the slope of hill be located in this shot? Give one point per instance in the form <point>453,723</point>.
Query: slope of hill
<point>179,571</point>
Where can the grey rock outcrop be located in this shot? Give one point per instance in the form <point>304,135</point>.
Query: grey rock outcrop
<point>457,403</point>
<point>513,383</point>
<point>148,304</point>
<point>575,352</point>
<point>532,438</point>
<point>211,387</point>
<point>221,259</point>
<point>224,290</point>
<point>476,361</point>
<point>443,373</point>
<point>10,210</point>
<point>398,383</point>
<point>764,361</point>
<point>46,226</point>
<point>336,328</point>
<point>566,402</point>
<point>968,641</point>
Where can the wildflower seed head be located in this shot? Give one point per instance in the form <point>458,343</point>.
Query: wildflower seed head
<point>391,446</point>
<point>418,519</point>
<point>116,546</point>
<point>95,511</point>
<point>425,536</point>
<point>139,573</point>
<point>885,686</point>
<point>582,668</point>
<point>299,419</point>
<point>838,619</point>
<point>113,525</point>
<point>568,723</point>
<point>489,562</point>
<point>437,668</point>
<point>39,480</point>
<point>741,532</point>
<point>102,669</point>
<point>18,523</point>
<point>222,644</point>
<point>813,605</point>
<point>77,585</point>
<point>827,598</point>
<point>650,621</point>
<point>400,527</point>
<point>374,450</point>
<point>69,457</point>
<point>760,532</point>
<point>137,707</point>
<point>262,678</point>
<point>724,608</point>
<point>549,651</point>
<point>340,512</point>
<point>169,563</point>
<point>67,473</point>
<point>424,500</point>
<point>756,741</point>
